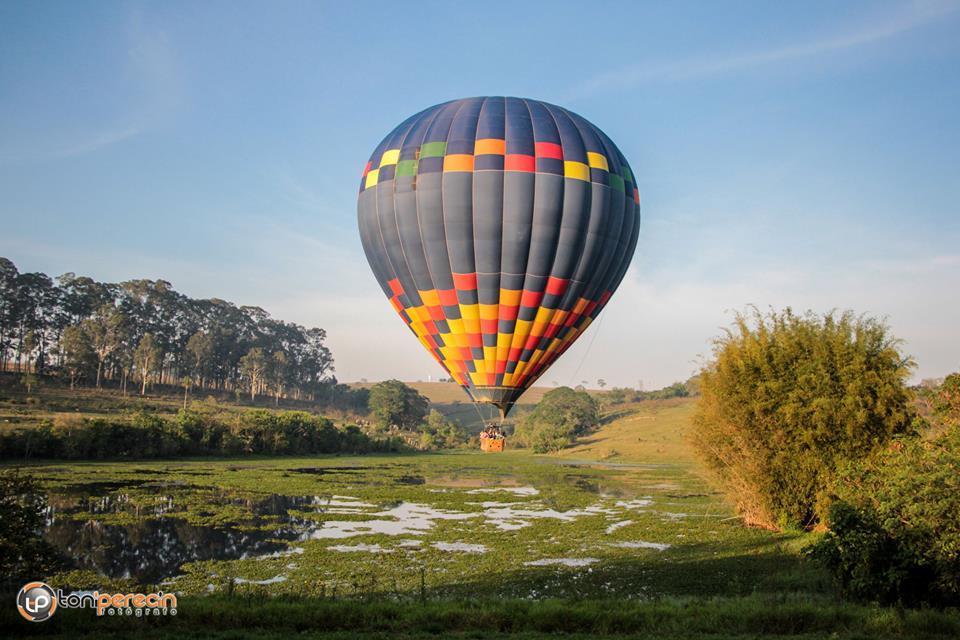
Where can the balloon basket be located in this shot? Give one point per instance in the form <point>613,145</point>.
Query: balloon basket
<point>492,445</point>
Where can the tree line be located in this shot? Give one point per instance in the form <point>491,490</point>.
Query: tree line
<point>198,431</point>
<point>622,395</point>
<point>145,332</point>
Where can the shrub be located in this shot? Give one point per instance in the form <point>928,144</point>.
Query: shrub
<point>437,432</point>
<point>24,554</point>
<point>192,432</point>
<point>560,417</point>
<point>895,524</point>
<point>946,402</point>
<point>287,432</point>
<point>787,398</point>
<point>618,395</point>
<point>394,404</point>
<point>201,430</point>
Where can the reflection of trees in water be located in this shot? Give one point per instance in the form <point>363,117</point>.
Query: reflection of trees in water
<point>155,547</point>
<point>277,505</point>
<point>168,504</point>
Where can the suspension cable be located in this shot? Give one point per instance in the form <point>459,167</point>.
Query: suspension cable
<point>589,346</point>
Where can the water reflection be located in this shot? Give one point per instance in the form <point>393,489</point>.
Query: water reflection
<point>324,471</point>
<point>153,549</point>
<point>159,540</point>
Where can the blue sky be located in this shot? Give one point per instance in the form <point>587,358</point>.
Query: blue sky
<point>804,155</point>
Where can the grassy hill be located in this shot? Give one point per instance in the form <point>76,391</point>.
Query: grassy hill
<point>649,431</point>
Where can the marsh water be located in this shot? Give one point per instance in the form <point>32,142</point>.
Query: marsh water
<point>518,525</point>
<point>136,529</point>
<point>149,542</point>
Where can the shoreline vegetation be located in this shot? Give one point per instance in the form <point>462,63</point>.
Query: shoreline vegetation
<point>260,616</point>
<point>53,422</point>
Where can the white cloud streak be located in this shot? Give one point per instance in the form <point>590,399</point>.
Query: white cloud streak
<point>96,141</point>
<point>154,87</point>
<point>907,18</point>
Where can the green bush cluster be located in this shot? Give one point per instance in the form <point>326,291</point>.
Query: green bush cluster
<point>621,395</point>
<point>944,402</point>
<point>895,524</point>
<point>24,554</point>
<point>788,398</point>
<point>400,409</point>
<point>191,432</point>
<point>395,405</point>
<point>437,432</point>
<point>559,418</point>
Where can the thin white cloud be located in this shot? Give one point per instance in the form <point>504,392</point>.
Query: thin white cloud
<point>153,81</point>
<point>152,64</point>
<point>296,193</point>
<point>97,141</point>
<point>906,18</point>
<point>314,199</point>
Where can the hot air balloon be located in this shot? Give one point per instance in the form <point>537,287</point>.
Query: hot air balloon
<point>498,228</point>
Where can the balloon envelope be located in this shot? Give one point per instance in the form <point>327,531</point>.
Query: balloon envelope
<point>498,228</point>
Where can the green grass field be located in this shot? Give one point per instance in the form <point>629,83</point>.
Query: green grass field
<point>618,535</point>
<point>265,617</point>
<point>650,431</point>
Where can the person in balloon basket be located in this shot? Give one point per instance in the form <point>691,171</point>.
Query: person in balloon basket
<point>493,432</point>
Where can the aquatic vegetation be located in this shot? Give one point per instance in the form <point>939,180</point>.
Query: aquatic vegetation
<point>517,491</point>
<point>514,525</point>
